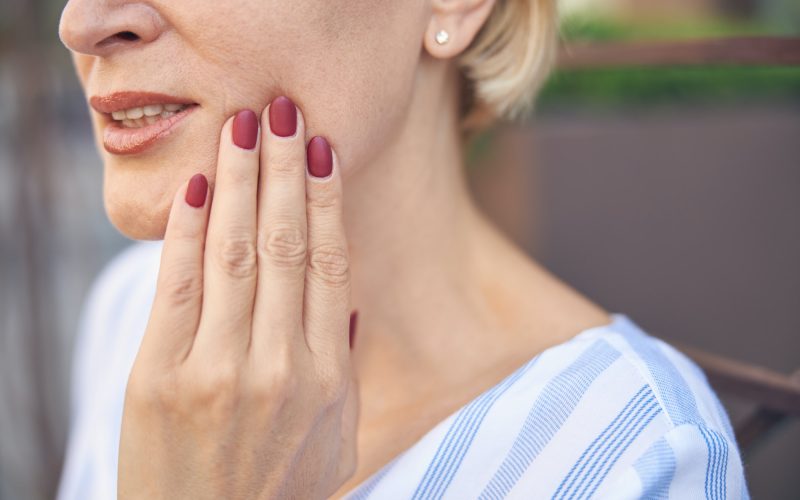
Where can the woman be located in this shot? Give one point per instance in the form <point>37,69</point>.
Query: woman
<point>301,161</point>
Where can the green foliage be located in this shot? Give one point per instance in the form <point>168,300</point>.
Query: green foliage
<point>650,86</point>
<point>621,87</point>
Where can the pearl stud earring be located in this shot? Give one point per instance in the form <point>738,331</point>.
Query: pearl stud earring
<point>442,37</point>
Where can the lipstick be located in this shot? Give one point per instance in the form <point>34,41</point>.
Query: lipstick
<point>124,140</point>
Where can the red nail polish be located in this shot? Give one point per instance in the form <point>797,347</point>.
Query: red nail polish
<point>196,191</point>
<point>282,117</point>
<point>353,320</point>
<point>319,157</point>
<point>245,129</point>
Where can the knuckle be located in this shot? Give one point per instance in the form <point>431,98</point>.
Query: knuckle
<point>279,383</point>
<point>330,264</point>
<point>285,246</point>
<point>281,372</point>
<point>283,160</point>
<point>323,197</point>
<point>236,256</point>
<point>218,389</point>
<point>241,169</point>
<point>181,285</point>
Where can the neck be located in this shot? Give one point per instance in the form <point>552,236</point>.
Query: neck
<point>410,223</point>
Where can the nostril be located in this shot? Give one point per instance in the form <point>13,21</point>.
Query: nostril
<point>119,37</point>
<point>128,35</point>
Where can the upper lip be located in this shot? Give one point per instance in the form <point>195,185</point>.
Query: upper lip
<point>128,99</point>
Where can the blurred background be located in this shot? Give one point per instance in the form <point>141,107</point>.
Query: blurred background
<point>660,176</point>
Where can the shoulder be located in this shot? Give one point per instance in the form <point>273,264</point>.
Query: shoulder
<point>678,384</point>
<point>679,435</point>
<point>118,297</point>
<point>612,413</point>
<point>113,319</point>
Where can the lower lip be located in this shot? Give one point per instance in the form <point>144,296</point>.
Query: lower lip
<point>120,140</point>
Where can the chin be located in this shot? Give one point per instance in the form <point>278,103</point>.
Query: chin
<point>139,213</point>
<point>138,190</point>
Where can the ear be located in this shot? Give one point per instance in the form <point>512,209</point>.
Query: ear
<point>461,19</point>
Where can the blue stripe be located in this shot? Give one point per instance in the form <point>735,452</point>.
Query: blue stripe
<point>601,455</point>
<point>678,399</point>
<point>716,464</point>
<point>708,461</point>
<point>456,442</point>
<point>556,402</point>
<point>652,410</point>
<point>723,465</point>
<point>656,469</point>
<point>611,428</point>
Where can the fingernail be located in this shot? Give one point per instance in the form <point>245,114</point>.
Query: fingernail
<point>283,117</point>
<point>353,319</point>
<point>319,157</point>
<point>245,129</point>
<point>196,190</point>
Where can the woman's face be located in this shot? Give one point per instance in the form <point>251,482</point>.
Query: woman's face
<point>349,65</point>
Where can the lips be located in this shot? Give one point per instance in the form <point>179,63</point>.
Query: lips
<point>121,140</point>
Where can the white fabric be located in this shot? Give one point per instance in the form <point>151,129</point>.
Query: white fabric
<point>611,413</point>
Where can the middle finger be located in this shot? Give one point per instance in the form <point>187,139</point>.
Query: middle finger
<point>230,256</point>
<point>282,240</point>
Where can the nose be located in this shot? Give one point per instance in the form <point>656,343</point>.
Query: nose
<point>103,27</point>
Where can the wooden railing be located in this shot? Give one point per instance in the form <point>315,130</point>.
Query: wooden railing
<point>751,51</point>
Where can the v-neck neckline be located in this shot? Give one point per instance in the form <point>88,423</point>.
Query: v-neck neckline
<point>617,320</point>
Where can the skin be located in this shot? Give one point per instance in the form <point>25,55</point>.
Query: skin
<point>448,306</point>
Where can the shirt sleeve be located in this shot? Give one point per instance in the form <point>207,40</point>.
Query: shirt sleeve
<point>689,461</point>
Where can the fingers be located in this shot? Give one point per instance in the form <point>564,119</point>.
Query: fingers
<point>282,240</point>
<point>327,286</point>
<point>176,308</point>
<point>230,256</point>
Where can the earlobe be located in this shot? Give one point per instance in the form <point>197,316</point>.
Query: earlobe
<point>454,24</point>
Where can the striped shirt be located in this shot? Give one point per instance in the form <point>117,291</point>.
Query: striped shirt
<point>611,413</point>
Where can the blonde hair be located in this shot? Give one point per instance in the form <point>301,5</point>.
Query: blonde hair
<point>508,61</point>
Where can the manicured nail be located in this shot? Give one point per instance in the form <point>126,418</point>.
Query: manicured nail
<point>245,129</point>
<point>282,117</point>
<point>196,190</point>
<point>319,157</point>
<point>353,320</point>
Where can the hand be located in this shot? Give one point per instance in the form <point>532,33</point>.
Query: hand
<point>242,387</point>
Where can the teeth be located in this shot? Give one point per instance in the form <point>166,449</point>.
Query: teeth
<point>134,113</point>
<point>138,117</point>
<point>153,110</point>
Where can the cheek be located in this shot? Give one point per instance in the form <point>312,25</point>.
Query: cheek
<point>351,74</point>
<point>354,80</point>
